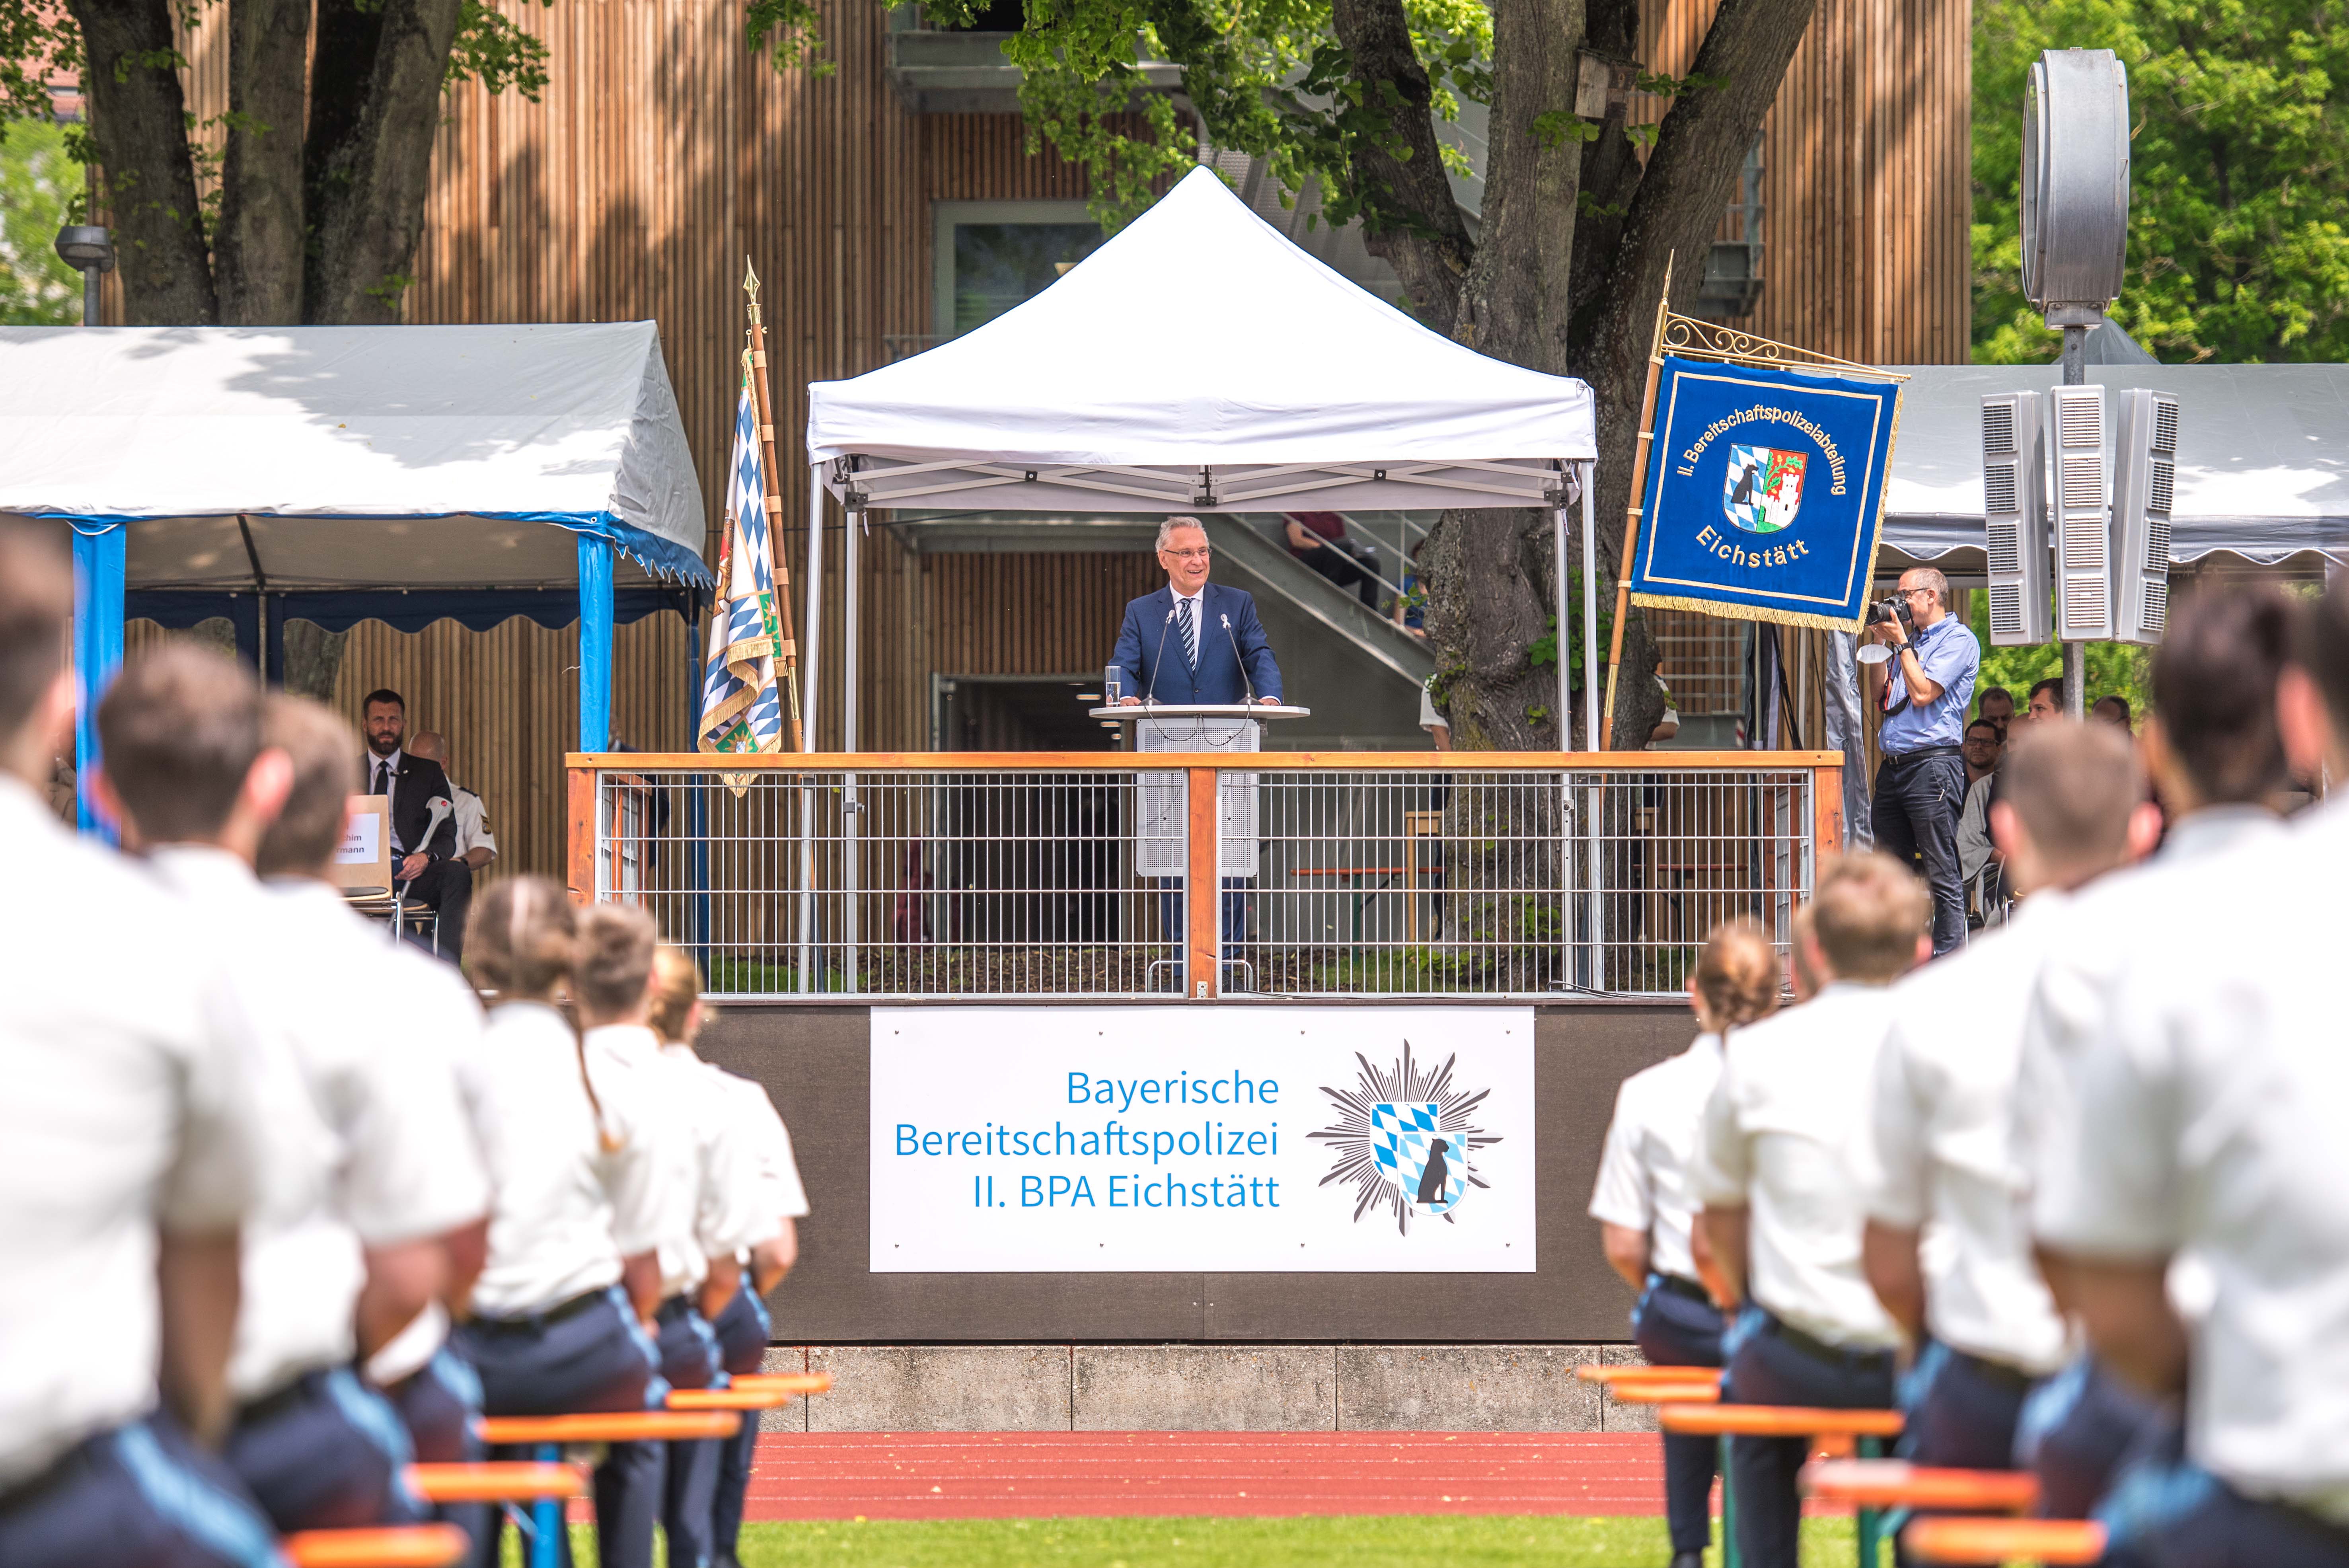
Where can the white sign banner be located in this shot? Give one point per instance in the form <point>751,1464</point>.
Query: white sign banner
<point>1231,1140</point>
<point>362,840</point>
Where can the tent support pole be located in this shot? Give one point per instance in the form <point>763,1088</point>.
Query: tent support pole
<point>813,665</point>
<point>595,644</point>
<point>272,640</point>
<point>1592,907</point>
<point>851,809</point>
<point>1558,621</point>
<point>99,567</point>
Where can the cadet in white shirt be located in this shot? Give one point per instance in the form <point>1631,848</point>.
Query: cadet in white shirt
<point>732,1296</point>
<point>131,1148</point>
<point>335,1274</point>
<point>2208,1122</point>
<point>429,1038</point>
<point>2212,746</point>
<point>565,1305</point>
<point>1985,1327</point>
<point>1646,1212</point>
<point>1781,1170</point>
<point>612,982</point>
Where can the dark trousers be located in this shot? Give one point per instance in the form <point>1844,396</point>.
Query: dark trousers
<point>139,1496</point>
<point>2077,1428</point>
<point>2166,1513</point>
<point>1961,1412</point>
<point>446,887</point>
<point>437,1404</point>
<point>1918,802</point>
<point>325,1452</point>
<point>586,1355</point>
<point>1769,1366</point>
<point>1348,567</point>
<point>1235,914</point>
<point>689,1359</point>
<point>1675,1324</point>
<point>742,1332</point>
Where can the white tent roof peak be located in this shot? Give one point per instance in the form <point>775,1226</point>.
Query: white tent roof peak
<point>1199,338</point>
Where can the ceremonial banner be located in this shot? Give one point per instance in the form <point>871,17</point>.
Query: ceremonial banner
<point>1294,1139</point>
<point>741,707</point>
<point>1765,493</point>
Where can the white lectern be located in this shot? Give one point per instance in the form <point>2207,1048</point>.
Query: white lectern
<point>1160,817</point>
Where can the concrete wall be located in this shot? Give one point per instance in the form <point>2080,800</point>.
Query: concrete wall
<point>814,1061</point>
<point>1204,1388</point>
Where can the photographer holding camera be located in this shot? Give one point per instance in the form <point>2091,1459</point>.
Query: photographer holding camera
<point>1921,787</point>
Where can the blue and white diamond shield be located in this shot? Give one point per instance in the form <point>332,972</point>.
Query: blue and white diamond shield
<point>1415,1156</point>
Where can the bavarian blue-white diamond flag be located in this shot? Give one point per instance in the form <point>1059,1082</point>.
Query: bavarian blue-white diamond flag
<point>741,707</point>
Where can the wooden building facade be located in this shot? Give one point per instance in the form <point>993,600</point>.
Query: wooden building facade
<point>664,152</point>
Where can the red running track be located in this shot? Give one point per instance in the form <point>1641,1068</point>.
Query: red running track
<point>999,1475</point>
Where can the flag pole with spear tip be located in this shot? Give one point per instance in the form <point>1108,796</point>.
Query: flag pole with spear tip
<point>773,478</point>
<point>1604,739</point>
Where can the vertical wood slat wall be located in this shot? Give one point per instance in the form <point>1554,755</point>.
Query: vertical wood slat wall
<point>663,151</point>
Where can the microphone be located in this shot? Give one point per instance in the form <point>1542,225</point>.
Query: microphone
<point>1157,659</point>
<point>1235,642</point>
<point>436,811</point>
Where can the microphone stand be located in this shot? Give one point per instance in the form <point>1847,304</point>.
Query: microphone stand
<point>1235,642</point>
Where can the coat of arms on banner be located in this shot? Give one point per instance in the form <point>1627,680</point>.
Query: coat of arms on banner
<point>1763,488</point>
<point>1403,1140</point>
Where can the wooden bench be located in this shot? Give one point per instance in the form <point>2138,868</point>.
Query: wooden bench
<point>385,1546</point>
<point>1709,1375</point>
<point>549,1434</point>
<point>1895,1483</point>
<point>1867,1428</point>
<point>796,1382</point>
<point>496,1482</point>
<point>2051,1542</point>
<point>1664,1391</point>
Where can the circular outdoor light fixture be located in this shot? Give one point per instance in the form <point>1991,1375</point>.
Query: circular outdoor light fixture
<point>2075,184</point>
<point>85,246</point>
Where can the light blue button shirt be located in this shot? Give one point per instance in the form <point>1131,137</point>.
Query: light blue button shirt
<point>1951,657</point>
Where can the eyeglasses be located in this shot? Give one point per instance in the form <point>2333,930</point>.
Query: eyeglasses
<point>1199,554</point>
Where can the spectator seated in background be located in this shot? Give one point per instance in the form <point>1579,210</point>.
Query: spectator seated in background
<point>427,865</point>
<point>1995,703</point>
<point>2113,710</point>
<point>2046,701</point>
<point>1985,745</point>
<point>1319,540</point>
<point>476,845</point>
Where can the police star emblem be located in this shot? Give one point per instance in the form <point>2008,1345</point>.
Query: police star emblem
<point>1763,488</point>
<point>1403,1139</point>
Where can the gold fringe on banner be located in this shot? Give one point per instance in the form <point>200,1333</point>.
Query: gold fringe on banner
<point>1747,612</point>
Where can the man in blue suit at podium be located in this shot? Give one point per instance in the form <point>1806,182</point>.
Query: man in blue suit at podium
<point>1194,641</point>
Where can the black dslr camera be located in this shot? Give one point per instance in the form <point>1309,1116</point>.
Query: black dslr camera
<point>1895,610</point>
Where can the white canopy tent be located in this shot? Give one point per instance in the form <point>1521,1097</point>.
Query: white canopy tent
<point>472,470</point>
<point>1197,361</point>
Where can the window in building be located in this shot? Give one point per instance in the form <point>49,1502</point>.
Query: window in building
<point>992,256</point>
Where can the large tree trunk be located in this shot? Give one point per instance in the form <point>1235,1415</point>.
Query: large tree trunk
<point>257,257</point>
<point>370,169</point>
<point>1412,221</point>
<point>138,120</point>
<point>1674,215</point>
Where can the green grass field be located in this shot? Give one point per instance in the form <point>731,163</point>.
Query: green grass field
<point>1413,1541</point>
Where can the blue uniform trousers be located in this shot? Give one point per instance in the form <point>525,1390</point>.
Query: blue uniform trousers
<point>1961,1411</point>
<point>742,1332</point>
<point>588,1354</point>
<point>2165,1511</point>
<point>325,1453</point>
<point>1675,1324</point>
<point>2077,1428</point>
<point>437,1404</point>
<point>139,1496</point>
<point>688,1352</point>
<point>1771,1363</point>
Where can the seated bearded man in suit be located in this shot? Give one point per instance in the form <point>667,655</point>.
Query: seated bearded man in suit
<point>424,854</point>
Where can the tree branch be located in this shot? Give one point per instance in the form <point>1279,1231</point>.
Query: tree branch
<point>371,174</point>
<point>1410,219</point>
<point>257,254</point>
<point>138,127</point>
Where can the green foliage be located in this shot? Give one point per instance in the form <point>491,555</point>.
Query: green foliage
<point>40,193</point>
<point>789,33</point>
<point>2115,669</point>
<point>2239,221</point>
<point>492,49</point>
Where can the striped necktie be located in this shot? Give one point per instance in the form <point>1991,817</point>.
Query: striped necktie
<point>1191,629</point>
